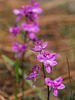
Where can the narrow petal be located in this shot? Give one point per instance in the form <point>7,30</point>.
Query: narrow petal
<point>35,16</point>
<point>53,56</point>
<point>48,81</point>
<point>48,69</point>
<point>44,46</point>
<point>18,18</point>
<point>34,68</point>
<point>53,63</point>
<point>37,48</point>
<point>62,86</point>
<point>39,42</point>
<point>40,58</point>
<point>16,11</point>
<point>38,69</point>
<point>55,92</point>
<point>58,79</point>
<point>34,82</point>
<point>30,77</point>
<point>37,10</point>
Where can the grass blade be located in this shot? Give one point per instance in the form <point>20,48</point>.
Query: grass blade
<point>69,78</point>
<point>17,75</point>
<point>72,45</point>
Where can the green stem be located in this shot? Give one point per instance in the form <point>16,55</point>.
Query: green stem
<point>69,78</point>
<point>17,75</point>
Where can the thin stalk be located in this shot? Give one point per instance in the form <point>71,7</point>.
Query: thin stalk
<point>69,78</point>
<point>47,86</point>
<point>17,75</point>
<point>72,45</point>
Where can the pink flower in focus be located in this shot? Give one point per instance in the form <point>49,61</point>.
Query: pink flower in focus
<point>47,59</point>
<point>56,84</point>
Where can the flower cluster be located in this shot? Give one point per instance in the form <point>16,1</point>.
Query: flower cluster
<point>48,61</point>
<point>45,56</point>
<point>30,26</point>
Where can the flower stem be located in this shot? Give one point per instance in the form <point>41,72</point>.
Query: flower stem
<point>47,86</point>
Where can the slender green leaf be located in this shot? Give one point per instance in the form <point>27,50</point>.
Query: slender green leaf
<point>17,75</point>
<point>69,79</point>
<point>72,45</point>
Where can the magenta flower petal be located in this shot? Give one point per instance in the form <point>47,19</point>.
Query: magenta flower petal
<point>18,18</point>
<point>24,47</point>
<point>40,58</point>
<point>34,82</point>
<point>34,68</point>
<point>53,63</point>
<point>39,42</point>
<point>44,46</point>
<point>15,46</point>
<point>46,63</point>
<point>62,86</point>
<point>14,30</point>
<point>35,16</point>
<point>55,92</point>
<point>46,54</point>
<point>38,69</point>
<point>32,36</point>
<point>37,10</point>
<point>48,69</point>
<point>34,29</point>
<point>24,26</point>
<point>37,48</point>
<point>11,30</point>
<point>16,11</point>
<point>32,3</point>
<point>53,56</point>
<point>48,81</point>
<point>58,79</point>
<point>20,53</point>
<point>30,77</point>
